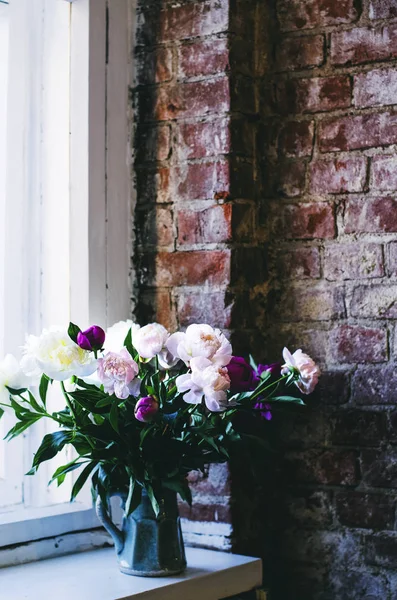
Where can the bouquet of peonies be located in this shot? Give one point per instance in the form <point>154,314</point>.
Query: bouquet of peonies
<point>142,407</point>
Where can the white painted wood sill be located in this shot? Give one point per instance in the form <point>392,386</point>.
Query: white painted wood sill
<point>210,575</point>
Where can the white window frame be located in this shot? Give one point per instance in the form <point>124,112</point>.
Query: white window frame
<point>101,199</point>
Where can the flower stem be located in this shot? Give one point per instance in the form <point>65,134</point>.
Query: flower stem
<point>68,403</point>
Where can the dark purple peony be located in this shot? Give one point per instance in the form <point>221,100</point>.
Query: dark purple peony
<point>92,338</point>
<point>146,409</point>
<point>242,376</point>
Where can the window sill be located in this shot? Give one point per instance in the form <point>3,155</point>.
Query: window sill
<point>94,576</point>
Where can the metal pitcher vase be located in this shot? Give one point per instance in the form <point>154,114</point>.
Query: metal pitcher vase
<point>146,545</point>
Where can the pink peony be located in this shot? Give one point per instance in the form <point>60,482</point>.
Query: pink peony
<point>308,371</point>
<point>200,341</point>
<point>205,380</point>
<point>117,371</point>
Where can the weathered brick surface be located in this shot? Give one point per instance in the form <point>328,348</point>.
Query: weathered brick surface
<point>375,88</point>
<point>338,176</point>
<point>382,9</point>
<point>371,215</point>
<point>362,45</point>
<point>356,132</point>
<point>355,344</point>
<point>313,95</point>
<point>352,261</point>
<point>300,53</point>
<point>266,205</point>
<point>294,14</point>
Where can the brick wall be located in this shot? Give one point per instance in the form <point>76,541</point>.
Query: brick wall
<point>327,157</point>
<point>266,174</point>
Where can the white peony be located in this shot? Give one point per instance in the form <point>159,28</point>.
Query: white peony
<point>117,333</point>
<point>56,355</point>
<point>12,376</point>
<point>206,380</point>
<point>201,340</point>
<point>150,341</point>
<point>309,372</point>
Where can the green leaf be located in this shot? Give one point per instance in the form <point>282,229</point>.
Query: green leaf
<point>286,399</point>
<point>43,388</point>
<point>21,426</point>
<point>82,478</point>
<point>88,399</point>
<point>133,498</point>
<point>253,363</point>
<point>130,347</point>
<point>52,444</point>
<point>73,331</point>
<point>114,417</point>
<point>34,404</point>
<point>15,392</point>
<point>105,401</point>
<point>152,498</point>
<point>61,472</point>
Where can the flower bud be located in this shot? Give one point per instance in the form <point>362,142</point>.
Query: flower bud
<point>92,338</point>
<point>146,409</point>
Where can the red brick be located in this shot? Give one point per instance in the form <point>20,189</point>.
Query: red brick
<point>202,139</point>
<point>375,88</point>
<point>357,427</point>
<point>371,511</point>
<point>295,14</point>
<point>212,225</point>
<point>376,301</point>
<point>355,344</point>
<point>154,67</point>
<point>309,304</point>
<point>375,385</point>
<point>203,307</point>
<point>392,270</point>
<point>152,143</point>
<point>296,139</point>
<point>353,261</point>
<point>371,215</point>
<point>327,467</point>
<point>286,179</point>
<point>382,9</point>
<point>299,263</point>
<point>203,58</point>
<point>313,95</point>
<point>202,181</point>
<point>384,173</point>
<point>337,176</point>
<point>181,21</point>
<point>194,99</point>
<point>195,19</point>
<point>217,513</point>
<point>355,132</point>
<point>157,306</point>
<point>155,227</point>
<point>300,53</point>
<point>192,268</point>
<point>364,44</point>
<point>305,221</point>
<point>153,185</point>
<point>379,469</point>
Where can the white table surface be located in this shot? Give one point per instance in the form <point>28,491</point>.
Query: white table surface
<point>94,575</point>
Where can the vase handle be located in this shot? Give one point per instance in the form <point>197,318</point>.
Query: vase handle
<point>110,527</point>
